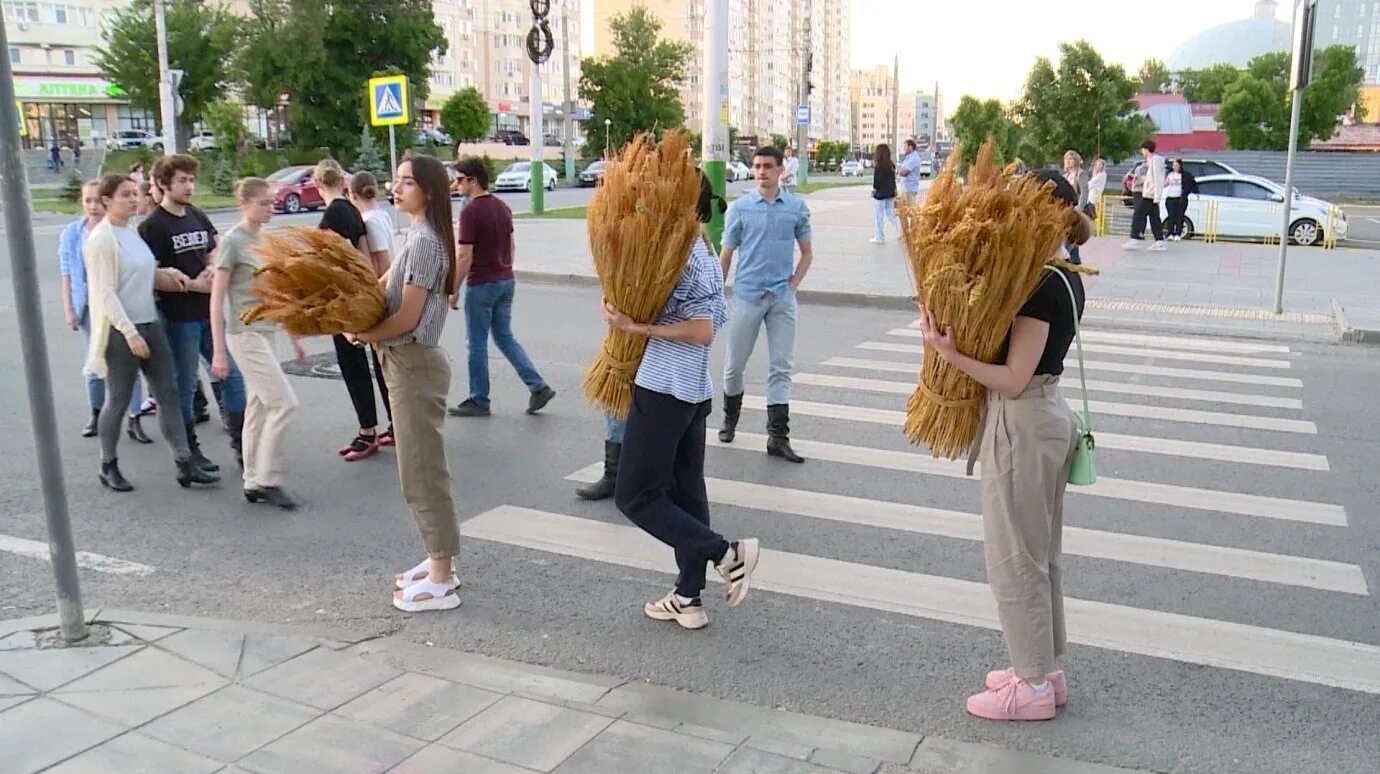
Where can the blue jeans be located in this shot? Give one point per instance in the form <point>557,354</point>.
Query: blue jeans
<point>191,341</point>
<point>95,385</point>
<point>749,312</point>
<point>489,307</point>
<point>613,429</point>
<point>884,210</point>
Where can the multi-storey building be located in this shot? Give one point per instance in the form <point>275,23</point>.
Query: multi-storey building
<point>929,118</point>
<point>1352,23</point>
<point>872,101</point>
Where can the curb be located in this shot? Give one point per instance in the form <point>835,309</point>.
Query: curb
<point>1349,334</point>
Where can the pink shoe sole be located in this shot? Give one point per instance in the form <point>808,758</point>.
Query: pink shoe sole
<point>999,677</point>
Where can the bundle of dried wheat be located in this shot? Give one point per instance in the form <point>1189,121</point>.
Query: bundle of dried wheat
<point>312,282</point>
<point>976,253</point>
<point>642,223</point>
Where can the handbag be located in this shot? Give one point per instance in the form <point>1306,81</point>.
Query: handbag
<point>1083,472</point>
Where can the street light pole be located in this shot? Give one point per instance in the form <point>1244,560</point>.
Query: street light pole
<point>29,309</point>
<point>569,119</point>
<point>1305,16</point>
<point>166,109</point>
<point>714,137</point>
<point>607,123</point>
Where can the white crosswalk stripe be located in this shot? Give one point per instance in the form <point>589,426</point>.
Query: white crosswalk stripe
<point>1190,343</point>
<point>1114,349</point>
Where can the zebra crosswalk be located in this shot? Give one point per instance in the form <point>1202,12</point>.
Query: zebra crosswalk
<point>1203,484</point>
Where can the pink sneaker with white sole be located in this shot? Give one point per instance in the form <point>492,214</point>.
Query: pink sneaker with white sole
<point>999,677</point>
<point>1014,700</point>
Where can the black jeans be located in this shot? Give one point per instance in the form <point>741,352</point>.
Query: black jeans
<point>354,369</point>
<point>1147,208</point>
<point>661,482</point>
<point>1178,206</point>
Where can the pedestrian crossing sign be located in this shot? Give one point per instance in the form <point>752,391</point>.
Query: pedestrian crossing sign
<point>388,101</point>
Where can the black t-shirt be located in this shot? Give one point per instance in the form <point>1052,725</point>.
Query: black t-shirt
<point>184,243</point>
<point>1051,303</point>
<point>342,218</point>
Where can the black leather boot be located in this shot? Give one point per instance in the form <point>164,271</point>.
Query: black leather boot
<point>136,431</point>
<point>220,404</point>
<point>89,429</point>
<point>603,488</point>
<point>273,495</point>
<point>237,436</point>
<point>189,473</point>
<point>112,478</point>
<point>779,433</point>
<point>199,405</point>
<point>198,458</point>
<point>733,406</point>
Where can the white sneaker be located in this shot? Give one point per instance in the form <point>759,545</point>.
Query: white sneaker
<point>1159,247</point>
<point>1131,244</point>
<point>668,608</point>
<point>737,574</point>
<point>876,241</point>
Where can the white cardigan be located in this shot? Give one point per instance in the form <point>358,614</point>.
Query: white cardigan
<point>102,255</point>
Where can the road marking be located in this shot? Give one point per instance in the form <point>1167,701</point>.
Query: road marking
<point>1205,451</point>
<point>1096,544</point>
<point>38,550</point>
<point>1107,349</point>
<point>1192,498</point>
<point>1180,342</point>
<point>1189,639</point>
<point>1126,388</point>
<point>1139,411</point>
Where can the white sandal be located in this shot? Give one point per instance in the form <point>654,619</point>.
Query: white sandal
<point>442,597</point>
<point>419,573</point>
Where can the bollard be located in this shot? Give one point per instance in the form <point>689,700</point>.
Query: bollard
<point>1330,234</point>
<point>1210,227</point>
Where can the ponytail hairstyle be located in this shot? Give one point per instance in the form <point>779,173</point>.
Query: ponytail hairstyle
<point>1080,226</point>
<point>364,185</point>
<point>431,176</point>
<point>328,174</point>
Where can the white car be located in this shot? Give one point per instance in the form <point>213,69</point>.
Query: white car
<point>133,139</point>
<point>1250,207</point>
<point>202,141</point>
<point>518,177</point>
<point>851,168</point>
<point>737,170</point>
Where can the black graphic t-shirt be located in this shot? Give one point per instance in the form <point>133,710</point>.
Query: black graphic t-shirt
<point>183,243</point>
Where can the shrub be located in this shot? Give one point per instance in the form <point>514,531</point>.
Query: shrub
<point>71,189</point>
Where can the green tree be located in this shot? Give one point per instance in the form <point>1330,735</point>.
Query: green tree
<point>1154,77</point>
<point>71,188</point>
<point>369,158</point>
<point>1085,104</point>
<point>638,88</point>
<point>1256,106</point>
<point>465,115</point>
<point>780,140</point>
<point>226,121</point>
<point>280,45</point>
<point>201,41</point>
<point>974,121</point>
<point>1208,84</point>
<point>1252,113</point>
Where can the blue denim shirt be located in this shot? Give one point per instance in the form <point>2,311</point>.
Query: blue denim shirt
<point>71,263</point>
<point>911,182</point>
<point>764,235</point>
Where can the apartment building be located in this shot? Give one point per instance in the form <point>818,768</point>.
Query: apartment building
<point>872,101</point>
<point>929,118</point>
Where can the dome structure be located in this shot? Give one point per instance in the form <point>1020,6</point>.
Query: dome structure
<point>1235,43</point>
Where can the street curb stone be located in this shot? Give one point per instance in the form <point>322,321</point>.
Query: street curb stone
<point>1347,332</point>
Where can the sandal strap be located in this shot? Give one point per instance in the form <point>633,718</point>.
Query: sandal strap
<point>426,586</point>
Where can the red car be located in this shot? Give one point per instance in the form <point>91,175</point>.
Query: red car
<point>294,190</point>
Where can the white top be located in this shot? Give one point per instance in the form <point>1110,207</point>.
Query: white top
<point>1096,185</point>
<point>137,266</point>
<point>378,229</point>
<point>792,168</point>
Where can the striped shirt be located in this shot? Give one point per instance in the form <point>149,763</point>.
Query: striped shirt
<point>422,262</point>
<point>678,368</point>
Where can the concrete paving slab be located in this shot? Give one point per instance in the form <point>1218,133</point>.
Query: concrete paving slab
<point>11,687</point>
<point>946,756</point>
<point>732,738</point>
<point>439,759</point>
<point>419,706</point>
<point>28,740</point>
<point>797,750</point>
<point>333,745</point>
<point>750,760</point>
<point>19,641</point>
<point>11,701</point>
<point>135,707</point>
<point>265,651</point>
<point>147,633</point>
<point>134,753</point>
<point>51,667</point>
<point>217,651</point>
<point>527,733</point>
<point>230,723</point>
<point>853,764</point>
<point>149,668</point>
<point>629,747</point>
<point>323,678</point>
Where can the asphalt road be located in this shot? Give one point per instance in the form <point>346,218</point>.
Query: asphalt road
<point>872,609</point>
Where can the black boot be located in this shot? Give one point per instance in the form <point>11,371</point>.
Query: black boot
<point>136,431</point>
<point>199,405</point>
<point>220,404</point>
<point>197,457</point>
<point>273,495</point>
<point>733,406</point>
<point>89,429</point>
<point>189,473</point>
<point>779,433</point>
<point>112,478</point>
<point>237,436</point>
<point>603,488</point>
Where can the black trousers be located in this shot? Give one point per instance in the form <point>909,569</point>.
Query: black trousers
<point>1147,209</point>
<point>354,369</point>
<point>1177,206</point>
<point>661,482</point>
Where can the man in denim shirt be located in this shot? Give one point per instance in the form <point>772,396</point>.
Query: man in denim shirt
<point>763,228</point>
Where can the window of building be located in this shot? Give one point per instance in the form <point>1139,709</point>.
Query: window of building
<point>16,11</point>
<point>15,57</point>
<point>59,14</point>
<point>69,57</point>
<point>135,118</point>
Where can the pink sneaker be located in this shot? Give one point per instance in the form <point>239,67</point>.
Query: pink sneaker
<point>1015,700</point>
<point>999,677</point>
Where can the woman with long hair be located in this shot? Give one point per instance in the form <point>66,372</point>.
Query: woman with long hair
<point>883,193</point>
<point>1179,184</point>
<point>271,401</point>
<point>421,281</point>
<point>1078,179</point>
<point>342,218</point>
<point>127,335</point>
<point>1026,446</point>
<point>1097,185</point>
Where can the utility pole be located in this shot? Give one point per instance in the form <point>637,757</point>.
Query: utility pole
<point>1305,17</point>
<point>714,135</point>
<point>34,344</point>
<point>896,104</point>
<point>540,44</point>
<point>166,108</point>
<point>569,108</point>
<point>802,139</point>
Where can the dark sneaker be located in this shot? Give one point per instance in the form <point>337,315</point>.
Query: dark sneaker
<point>386,438</point>
<point>539,399</point>
<point>470,409</point>
<point>363,446</point>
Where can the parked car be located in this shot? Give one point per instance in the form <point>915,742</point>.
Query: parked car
<point>739,170</point>
<point>593,174</point>
<point>1249,207</point>
<point>1196,167</point>
<point>518,177</point>
<point>294,190</point>
<point>552,142</point>
<point>433,136</point>
<point>133,139</point>
<point>203,140</point>
<point>851,168</point>
<point>511,137</point>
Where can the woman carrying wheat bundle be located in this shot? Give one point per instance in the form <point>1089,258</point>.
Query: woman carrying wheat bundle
<point>1027,434</point>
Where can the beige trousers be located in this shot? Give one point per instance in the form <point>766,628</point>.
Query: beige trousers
<point>418,379</point>
<point>268,409</point>
<point>1027,449</point>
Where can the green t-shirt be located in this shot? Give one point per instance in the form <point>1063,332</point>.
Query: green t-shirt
<point>234,255</point>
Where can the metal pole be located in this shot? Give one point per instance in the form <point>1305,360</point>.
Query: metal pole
<point>392,155</point>
<point>166,108</point>
<point>32,341</point>
<point>802,142</point>
<point>896,105</point>
<point>715,128</point>
<point>537,105</point>
<point>1288,199</point>
<point>569,122</point>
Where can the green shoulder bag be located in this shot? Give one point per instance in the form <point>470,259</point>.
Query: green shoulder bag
<point>1084,471</point>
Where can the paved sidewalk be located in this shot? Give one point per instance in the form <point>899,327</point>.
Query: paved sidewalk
<point>168,694</point>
